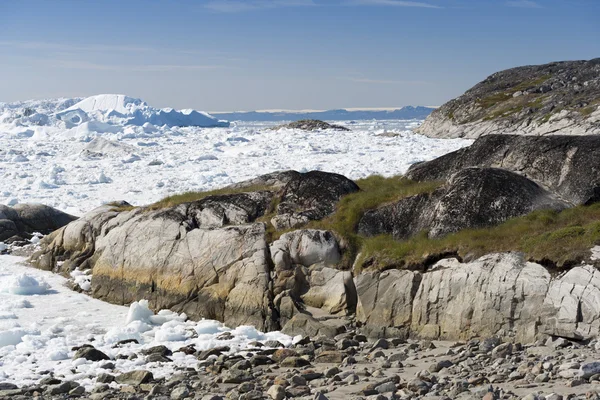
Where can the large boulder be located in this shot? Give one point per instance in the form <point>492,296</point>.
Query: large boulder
<point>25,219</point>
<point>187,258</point>
<point>567,166</point>
<point>310,196</point>
<point>472,198</point>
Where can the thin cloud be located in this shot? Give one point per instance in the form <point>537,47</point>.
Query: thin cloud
<point>387,81</point>
<point>393,3</point>
<point>73,48</point>
<point>74,64</point>
<point>231,6</point>
<point>523,4</point>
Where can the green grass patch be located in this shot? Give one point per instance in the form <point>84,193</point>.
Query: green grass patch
<point>375,192</point>
<point>189,197</point>
<point>587,111</point>
<point>560,239</point>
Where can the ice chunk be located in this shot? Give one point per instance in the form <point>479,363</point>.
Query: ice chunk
<point>139,311</point>
<point>23,284</point>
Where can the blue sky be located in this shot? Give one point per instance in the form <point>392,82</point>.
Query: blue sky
<point>225,55</point>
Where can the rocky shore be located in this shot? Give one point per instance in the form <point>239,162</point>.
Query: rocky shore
<point>348,366</point>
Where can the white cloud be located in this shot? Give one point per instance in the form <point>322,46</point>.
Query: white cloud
<point>238,5</point>
<point>523,4</point>
<point>394,3</point>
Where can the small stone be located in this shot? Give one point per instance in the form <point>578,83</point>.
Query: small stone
<point>180,393</point>
<point>105,378</point>
<point>60,388</point>
<point>381,344</point>
<point>91,354</point>
<point>156,357</point>
<point>298,391</point>
<point>276,392</point>
<point>331,357</point>
<point>135,377</point>
<point>297,380</point>
<point>281,354</point>
<point>438,366</point>
<point>162,350</point>
<point>502,351</point>
<point>386,387</point>
<point>79,390</point>
<point>588,369</point>
<point>294,362</point>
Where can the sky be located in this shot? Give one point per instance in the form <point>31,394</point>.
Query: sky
<point>230,55</point>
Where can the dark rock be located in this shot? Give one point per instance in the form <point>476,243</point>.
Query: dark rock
<point>560,164</point>
<point>156,357</point>
<point>91,354</point>
<point>160,350</point>
<point>310,196</point>
<point>311,125</point>
<point>24,219</point>
<point>472,198</point>
<point>294,362</point>
<point>105,378</point>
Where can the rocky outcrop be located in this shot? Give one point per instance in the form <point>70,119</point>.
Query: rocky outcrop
<point>498,294</point>
<point>309,197</point>
<point>472,198</point>
<point>23,220</point>
<point>210,258</point>
<point>566,166</point>
<point>556,98</point>
<point>312,125</point>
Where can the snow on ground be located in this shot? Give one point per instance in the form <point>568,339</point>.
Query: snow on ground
<point>41,320</point>
<point>78,165</point>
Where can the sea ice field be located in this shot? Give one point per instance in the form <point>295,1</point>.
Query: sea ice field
<point>76,154</point>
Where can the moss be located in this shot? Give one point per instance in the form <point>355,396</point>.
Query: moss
<point>561,239</point>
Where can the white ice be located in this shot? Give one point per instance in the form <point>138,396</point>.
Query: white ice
<point>38,331</point>
<point>77,169</point>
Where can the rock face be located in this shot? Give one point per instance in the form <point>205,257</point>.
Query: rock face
<point>312,125</point>
<point>472,198</point>
<point>498,294</point>
<point>566,166</point>
<point>560,97</point>
<point>25,219</point>
<point>210,258</point>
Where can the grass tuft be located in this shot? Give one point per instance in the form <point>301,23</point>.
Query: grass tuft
<point>189,197</point>
<point>560,239</point>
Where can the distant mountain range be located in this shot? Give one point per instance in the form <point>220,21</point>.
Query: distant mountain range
<point>408,112</point>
